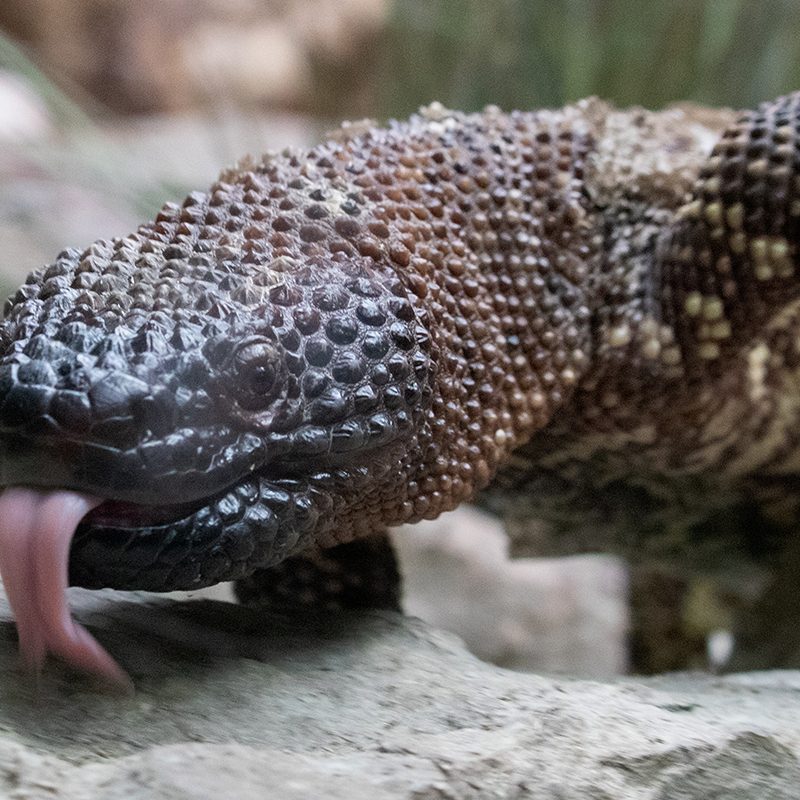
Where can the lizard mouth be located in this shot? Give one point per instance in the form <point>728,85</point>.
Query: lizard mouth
<point>53,538</point>
<point>124,515</point>
<point>250,524</point>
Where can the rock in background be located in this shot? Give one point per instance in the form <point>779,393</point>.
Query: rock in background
<point>546,615</point>
<point>173,55</point>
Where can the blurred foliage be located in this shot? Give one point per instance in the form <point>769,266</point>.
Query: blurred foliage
<point>15,60</point>
<point>532,53</point>
<point>81,152</point>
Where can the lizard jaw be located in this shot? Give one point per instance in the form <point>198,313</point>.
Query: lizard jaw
<point>42,530</point>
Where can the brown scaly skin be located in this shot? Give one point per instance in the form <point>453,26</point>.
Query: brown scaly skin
<point>331,342</point>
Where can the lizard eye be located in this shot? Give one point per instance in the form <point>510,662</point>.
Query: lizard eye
<point>258,371</point>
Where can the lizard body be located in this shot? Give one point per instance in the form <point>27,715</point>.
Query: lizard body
<point>330,342</point>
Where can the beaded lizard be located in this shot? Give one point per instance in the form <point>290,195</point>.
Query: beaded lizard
<point>596,307</point>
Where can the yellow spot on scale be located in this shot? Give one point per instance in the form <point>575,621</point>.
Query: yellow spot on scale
<point>735,216</point>
<point>781,255</point>
<point>620,335</point>
<point>693,304</point>
<point>671,356</point>
<point>712,308</point>
<point>771,255</point>
<point>738,243</point>
<point>568,377</point>
<point>538,400</point>
<point>778,249</point>
<point>690,210</point>
<point>764,272</point>
<point>666,335</point>
<point>714,214</point>
<point>708,351</point>
<point>721,329</point>
<point>717,234</point>
<point>651,348</point>
<point>781,172</point>
<point>757,360</point>
<point>758,168</point>
<point>649,326</point>
<point>758,249</point>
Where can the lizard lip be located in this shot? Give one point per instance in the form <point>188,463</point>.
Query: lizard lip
<point>127,515</point>
<point>252,523</point>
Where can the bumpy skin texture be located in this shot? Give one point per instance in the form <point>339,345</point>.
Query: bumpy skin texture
<point>330,342</point>
<point>687,421</point>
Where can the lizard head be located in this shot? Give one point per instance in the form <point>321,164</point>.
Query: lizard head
<point>229,391</point>
<point>322,345</point>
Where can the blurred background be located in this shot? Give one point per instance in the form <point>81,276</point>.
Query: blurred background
<point>108,108</point>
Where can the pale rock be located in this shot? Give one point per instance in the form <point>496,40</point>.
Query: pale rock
<point>549,615</point>
<point>231,702</point>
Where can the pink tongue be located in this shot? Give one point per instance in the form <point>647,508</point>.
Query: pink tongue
<point>36,529</point>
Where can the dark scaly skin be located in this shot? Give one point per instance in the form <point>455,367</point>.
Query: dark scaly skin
<point>361,335</point>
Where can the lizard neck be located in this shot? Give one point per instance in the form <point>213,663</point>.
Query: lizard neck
<point>695,366</point>
<point>501,278</point>
<point>538,279</point>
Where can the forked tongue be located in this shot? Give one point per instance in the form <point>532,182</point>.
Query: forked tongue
<point>36,529</point>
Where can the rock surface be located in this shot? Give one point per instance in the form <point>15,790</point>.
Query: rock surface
<point>232,702</point>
